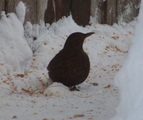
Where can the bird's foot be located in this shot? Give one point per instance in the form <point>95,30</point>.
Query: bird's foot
<point>73,88</point>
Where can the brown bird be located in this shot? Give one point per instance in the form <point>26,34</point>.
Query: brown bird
<point>71,65</point>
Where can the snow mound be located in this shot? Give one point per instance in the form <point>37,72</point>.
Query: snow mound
<point>14,50</point>
<point>17,73</point>
<point>57,90</point>
<point>130,78</point>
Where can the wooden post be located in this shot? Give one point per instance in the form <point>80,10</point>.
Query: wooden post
<point>81,10</point>
<point>41,7</point>
<point>111,12</point>
<point>49,16</point>
<point>103,12</point>
<point>31,11</point>
<point>2,5</point>
<point>62,8</point>
<point>99,11</point>
<point>94,9</point>
<point>56,9</point>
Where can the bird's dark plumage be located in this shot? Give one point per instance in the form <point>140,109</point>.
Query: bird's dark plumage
<point>71,65</point>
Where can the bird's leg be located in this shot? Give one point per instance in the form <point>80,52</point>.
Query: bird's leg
<point>73,88</point>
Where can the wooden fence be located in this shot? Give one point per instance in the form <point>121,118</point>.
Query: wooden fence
<point>103,11</point>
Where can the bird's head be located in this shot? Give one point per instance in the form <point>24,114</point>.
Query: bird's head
<point>75,40</point>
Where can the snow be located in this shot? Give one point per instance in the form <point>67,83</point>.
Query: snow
<point>26,91</point>
<point>20,11</point>
<point>130,78</point>
<point>14,50</point>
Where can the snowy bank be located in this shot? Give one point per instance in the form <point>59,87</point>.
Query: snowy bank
<point>16,55</point>
<point>130,78</point>
<point>14,50</point>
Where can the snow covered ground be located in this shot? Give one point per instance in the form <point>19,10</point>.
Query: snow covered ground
<point>25,89</point>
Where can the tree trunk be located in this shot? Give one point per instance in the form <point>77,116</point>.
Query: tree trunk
<point>41,7</point>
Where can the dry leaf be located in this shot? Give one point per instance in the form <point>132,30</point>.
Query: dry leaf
<point>115,37</point>
<point>94,84</point>
<point>108,86</point>
<point>20,75</point>
<point>78,115</point>
<point>14,117</point>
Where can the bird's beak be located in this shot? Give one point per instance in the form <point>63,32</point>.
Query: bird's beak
<point>88,34</point>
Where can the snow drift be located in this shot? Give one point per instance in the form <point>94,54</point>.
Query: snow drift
<point>14,50</point>
<point>130,78</point>
<point>16,56</point>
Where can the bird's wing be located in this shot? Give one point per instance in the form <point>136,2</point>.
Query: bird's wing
<point>56,61</point>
